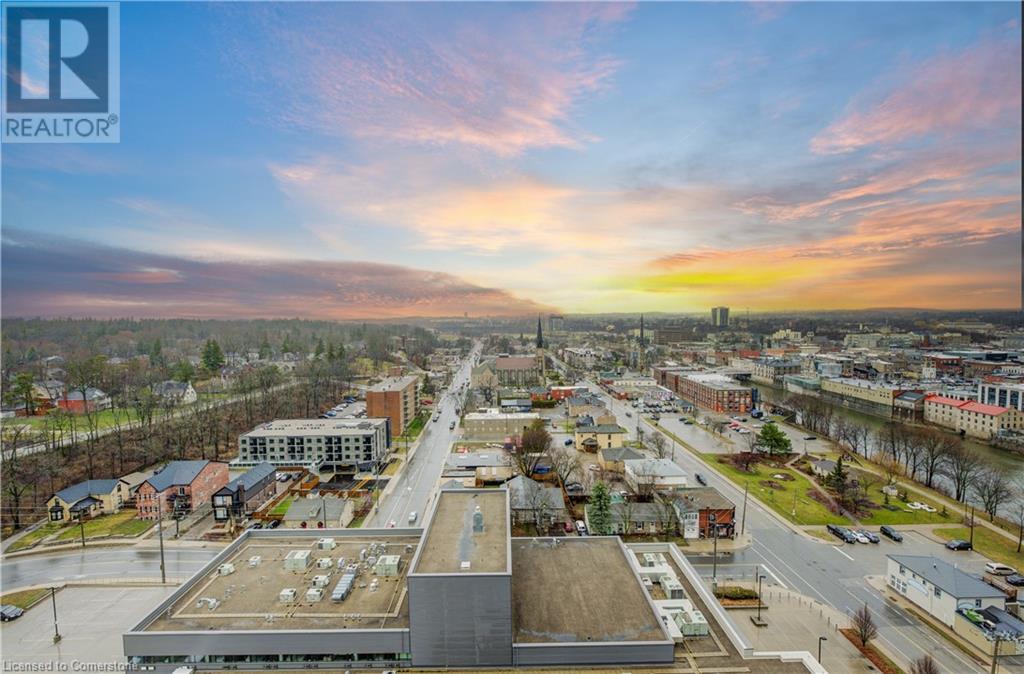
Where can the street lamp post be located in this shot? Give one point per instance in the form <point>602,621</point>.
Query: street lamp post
<point>820,639</point>
<point>53,599</point>
<point>160,533</point>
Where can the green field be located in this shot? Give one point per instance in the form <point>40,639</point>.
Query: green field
<point>25,598</point>
<point>123,523</point>
<point>995,546</point>
<point>281,508</point>
<point>905,515</point>
<point>34,536</point>
<point>807,510</point>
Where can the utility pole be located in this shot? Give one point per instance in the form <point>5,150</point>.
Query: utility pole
<point>743,516</point>
<point>81,526</point>
<point>160,533</point>
<point>53,599</point>
<point>972,527</point>
<point>712,520</point>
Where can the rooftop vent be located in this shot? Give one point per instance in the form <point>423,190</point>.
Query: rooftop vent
<point>478,521</point>
<point>465,566</point>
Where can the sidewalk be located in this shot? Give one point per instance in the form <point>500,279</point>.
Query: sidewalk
<point>794,624</point>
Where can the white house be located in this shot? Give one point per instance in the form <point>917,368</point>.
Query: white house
<point>656,474</point>
<point>940,588</point>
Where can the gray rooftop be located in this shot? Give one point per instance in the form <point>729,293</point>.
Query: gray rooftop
<point>177,473</point>
<point>77,492</point>
<point>251,477</point>
<point>450,539</point>
<point>947,577</point>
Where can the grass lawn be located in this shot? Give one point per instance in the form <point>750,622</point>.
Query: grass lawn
<point>356,522</point>
<point>123,523</point>
<point>808,511</point>
<point>392,468</point>
<point>33,537</point>
<point>995,546</point>
<point>415,427</point>
<point>281,508</point>
<point>25,598</point>
<point>905,515</point>
<point>819,533</point>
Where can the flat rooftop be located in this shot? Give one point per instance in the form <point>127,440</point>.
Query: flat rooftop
<point>314,427</point>
<point>578,590</point>
<point>394,384</point>
<point>450,539</point>
<point>249,597</point>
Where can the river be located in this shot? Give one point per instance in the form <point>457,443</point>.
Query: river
<point>1012,464</point>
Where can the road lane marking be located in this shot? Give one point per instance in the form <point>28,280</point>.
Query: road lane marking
<point>843,554</point>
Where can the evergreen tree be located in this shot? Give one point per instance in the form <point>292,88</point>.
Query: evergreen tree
<point>213,357</point>
<point>773,440</point>
<point>183,371</point>
<point>156,355</point>
<point>319,348</point>
<point>265,351</point>
<point>838,478</point>
<point>600,510</point>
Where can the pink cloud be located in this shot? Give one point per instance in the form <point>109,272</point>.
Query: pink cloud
<point>976,88</point>
<point>505,82</point>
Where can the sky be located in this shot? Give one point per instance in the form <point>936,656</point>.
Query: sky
<point>398,160</point>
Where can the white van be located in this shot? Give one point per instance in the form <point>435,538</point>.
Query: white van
<point>997,569</point>
<point>412,517</point>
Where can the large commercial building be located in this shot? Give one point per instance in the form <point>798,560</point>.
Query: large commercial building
<point>774,370</point>
<point>1002,393</point>
<point>395,398</point>
<point>971,418</point>
<point>492,424</point>
<point>715,392</point>
<point>720,317</point>
<point>865,395</point>
<point>460,593</point>
<point>940,588</point>
<point>318,444</point>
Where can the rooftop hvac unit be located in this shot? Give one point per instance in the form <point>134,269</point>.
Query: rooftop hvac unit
<point>254,561</point>
<point>321,580</point>
<point>387,565</point>
<point>341,563</point>
<point>314,594</point>
<point>225,569</point>
<point>374,585</point>
<point>478,520</point>
<point>209,602</point>
<point>326,544</point>
<point>296,560</point>
<point>344,587</point>
<point>287,595</point>
<point>465,566</point>
<point>371,560</point>
<point>650,559</point>
<point>324,563</point>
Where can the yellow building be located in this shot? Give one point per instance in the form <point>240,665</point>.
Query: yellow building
<point>604,436</point>
<point>861,389</point>
<point>89,498</point>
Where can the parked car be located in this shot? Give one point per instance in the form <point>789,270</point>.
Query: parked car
<point>957,544</point>
<point>581,528</point>
<point>841,532</point>
<point>891,533</point>
<point>859,537</point>
<point>628,413</point>
<point>451,426</point>
<point>1016,580</point>
<point>412,517</point>
<point>871,536</point>
<point>811,437</point>
<point>10,612</point>
<point>273,524</point>
<point>392,524</point>
<point>700,479</point>
<point>998,569</point>
<point>568,442</point>
<point>568,527</point>
<point>574,488</point>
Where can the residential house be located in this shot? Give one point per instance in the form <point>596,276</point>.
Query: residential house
<point>939,588</point>
<point>703,512</point>
<point>629,517</point>
<point>612,458</point>
<point>647,475</point>
<point>599,436</point>
<point>86,499</point>
<point>175,392</point>
<point>822,467</point>
<point>93,400</point>
<point>245,494</point>
<point>179,487</point>
<point>532,502</point>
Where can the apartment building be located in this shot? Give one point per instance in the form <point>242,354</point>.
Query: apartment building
<point>971,418</point>
<point>491,423</point>
<point>395,398</point>
<point>715,392</point>
<point>1002,393</point>
<point>773,370</point>
<point>318,444</point>
<point>871,396</point>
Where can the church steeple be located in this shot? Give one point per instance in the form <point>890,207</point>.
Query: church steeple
<point>540,335</point>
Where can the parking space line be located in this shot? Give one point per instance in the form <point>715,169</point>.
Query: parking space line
<point>843,554</point>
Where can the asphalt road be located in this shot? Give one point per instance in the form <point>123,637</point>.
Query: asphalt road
<point>66,566</point>
<point>414,486</point>
<point>834,574</point>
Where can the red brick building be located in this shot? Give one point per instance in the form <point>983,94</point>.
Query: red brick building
<point>695,507</point>
<point>179,487</point>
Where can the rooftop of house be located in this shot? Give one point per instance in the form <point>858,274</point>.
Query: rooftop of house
<point>704,498</point>
<point>251,477</point>
<point>77,492</point>
<point>177,473</point>
<point>946,576</point>
<point>452,545</point>
<point>554,595</point>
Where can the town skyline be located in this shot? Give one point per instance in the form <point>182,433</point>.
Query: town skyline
<point>401,161</point>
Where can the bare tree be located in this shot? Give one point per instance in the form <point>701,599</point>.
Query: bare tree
<point>659,444</point>
<point>993,489</point>
<point>564,462</point>
<point>962,468</point>
<point>924,665</point>
<point>864,625</point>
<point>935,449</point>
